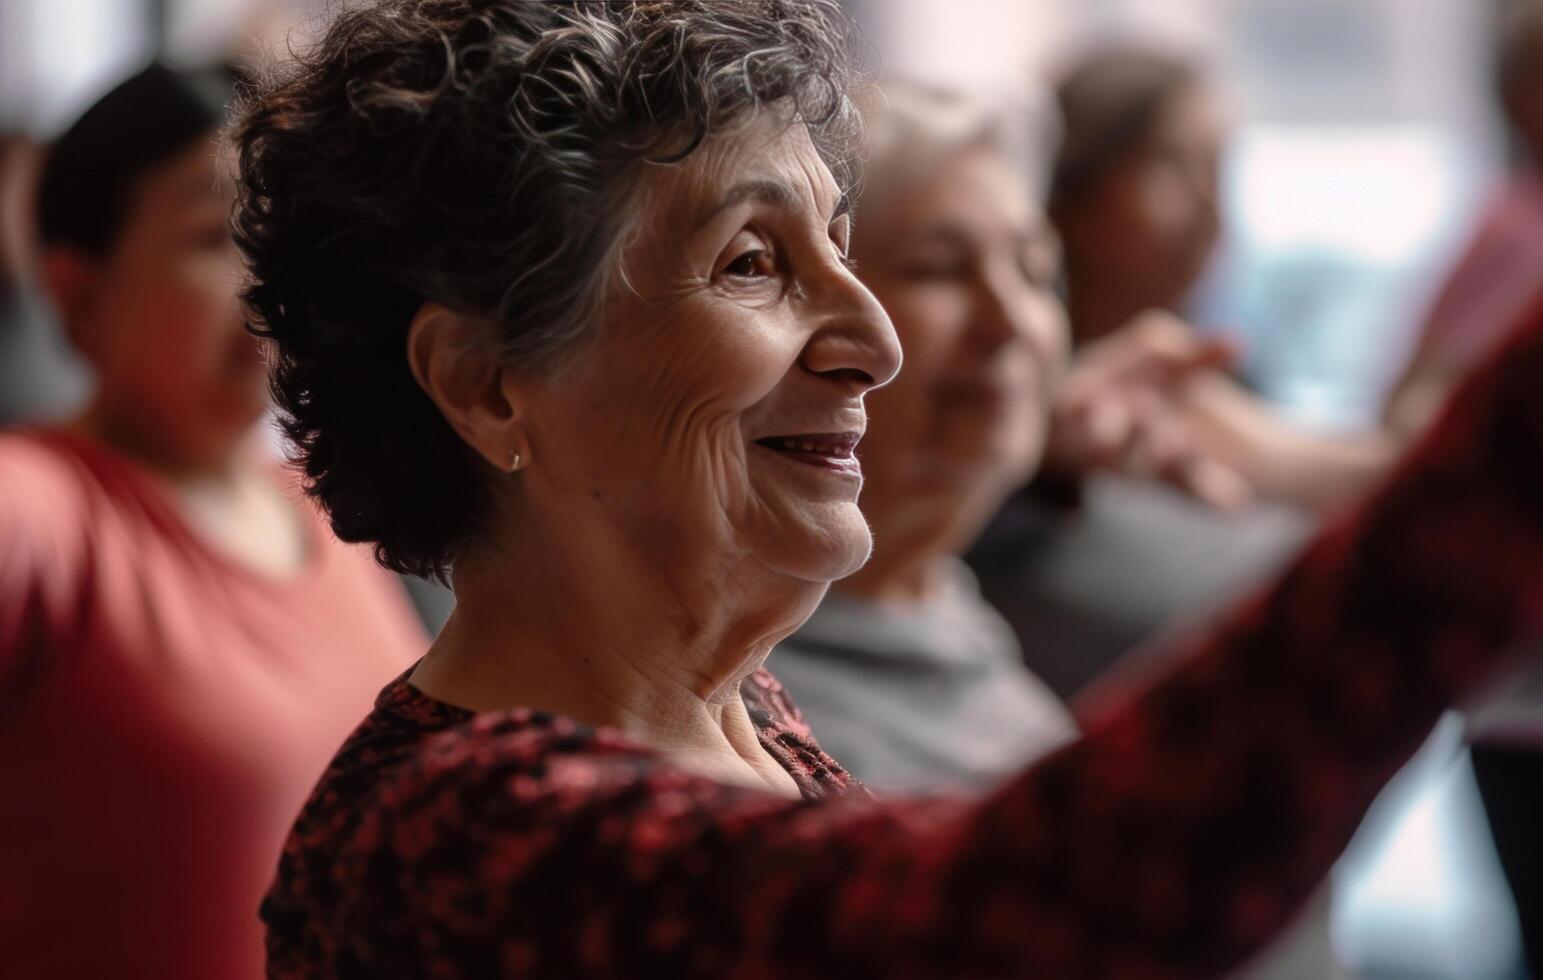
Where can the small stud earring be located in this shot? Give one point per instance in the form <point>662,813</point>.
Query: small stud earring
<point>515,461</point>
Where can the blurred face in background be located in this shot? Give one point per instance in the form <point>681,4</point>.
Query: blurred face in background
<point>965,264</point>
<point>1150,225</point>
<point>158,315</point>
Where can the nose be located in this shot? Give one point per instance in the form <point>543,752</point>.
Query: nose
<point>853,341</point>
<point>1002,308</point>
<point>1008,311</point>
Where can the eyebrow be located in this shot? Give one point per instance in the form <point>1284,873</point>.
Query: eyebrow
<point>772,192</point>
<point>1039,233</point>
<point>940,233</point>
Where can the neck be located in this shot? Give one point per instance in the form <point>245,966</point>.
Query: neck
<point>914,537</point>
<point>142,443</point>
<point>898,577</point>
<point>596,635</point>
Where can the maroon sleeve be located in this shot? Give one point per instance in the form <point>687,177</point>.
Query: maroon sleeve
<point>1173,839</point>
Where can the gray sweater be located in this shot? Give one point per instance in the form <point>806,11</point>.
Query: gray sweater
<point>933,697</point>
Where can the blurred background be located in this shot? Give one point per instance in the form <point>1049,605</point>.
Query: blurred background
<point>1362,145</point>
<point>1364,137</point>
<point>1365,142</point>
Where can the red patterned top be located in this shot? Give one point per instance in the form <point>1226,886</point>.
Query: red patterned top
<point>1202,806</point>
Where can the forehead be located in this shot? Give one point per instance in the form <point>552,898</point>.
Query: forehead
<point>1193,114</point>
<point>974,185</point>
<point>765,150</point>
<point>192,177</point>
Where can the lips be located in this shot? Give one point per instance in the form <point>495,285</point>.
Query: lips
<point>837,445</point>
<point>829,450</point>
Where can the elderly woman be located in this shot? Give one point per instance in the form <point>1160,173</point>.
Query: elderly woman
<point>906,673</point>
<point>562,306</point>
<point>909,677</point>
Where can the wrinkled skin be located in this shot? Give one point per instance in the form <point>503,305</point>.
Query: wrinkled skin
<point>728,326</point>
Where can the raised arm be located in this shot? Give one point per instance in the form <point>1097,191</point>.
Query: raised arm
<point>1175,838</point>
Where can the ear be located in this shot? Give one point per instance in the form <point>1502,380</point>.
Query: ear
<point>69,277</point>
<point>460,371</point>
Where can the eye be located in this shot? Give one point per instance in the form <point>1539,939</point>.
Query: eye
<point>927,268</point>
<point>752,264</point>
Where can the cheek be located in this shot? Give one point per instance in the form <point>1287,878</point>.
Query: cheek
<point>192,311</point>
<point>144,334</point>
<point>656,418</point>
<point>905,419</point>
<point>928,323</point>
<point>1051,333</point>
<point>929,320</point>
<point>1169,208</point>
<point>1130,218</point>
<point>206,294</point>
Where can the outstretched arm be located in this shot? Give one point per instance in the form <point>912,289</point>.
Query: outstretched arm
<point>1176,837</point>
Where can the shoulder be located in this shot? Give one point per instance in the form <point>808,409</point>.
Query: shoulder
<point>46,525</point>
<point>513,814</point>
<point>36,465</point>
<point>432,797</point>
<point>45,492</point>
<point>422,785</point>
<point>521,844</point>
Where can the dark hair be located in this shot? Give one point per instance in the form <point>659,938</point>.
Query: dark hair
<point>1109,105</point>
<point>92,169</point>
<point>477,153</point>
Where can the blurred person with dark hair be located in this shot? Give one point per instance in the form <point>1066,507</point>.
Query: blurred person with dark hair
<point>1134,195</point>
<point>561,307</point>
<point>182,640</point>
<point>1134,187</point>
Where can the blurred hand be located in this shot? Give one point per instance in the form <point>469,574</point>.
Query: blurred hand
<point>1120,411</point>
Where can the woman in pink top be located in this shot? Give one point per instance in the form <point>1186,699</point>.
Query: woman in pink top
<point>183,644</point>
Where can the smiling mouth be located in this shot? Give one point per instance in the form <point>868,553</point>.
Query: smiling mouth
<point>828,450</point>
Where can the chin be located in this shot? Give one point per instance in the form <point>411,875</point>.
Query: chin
<point>824,550</point>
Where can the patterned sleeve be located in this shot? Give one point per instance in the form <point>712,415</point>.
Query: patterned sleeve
<point>1200,809</point>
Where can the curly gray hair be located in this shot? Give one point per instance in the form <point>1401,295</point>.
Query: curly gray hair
<point>480,154</point>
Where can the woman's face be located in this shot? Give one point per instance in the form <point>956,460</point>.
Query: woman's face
<point>964,263</point>
<point>1154,221</point>
<point>711,423</point>
<point>163,328</point>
